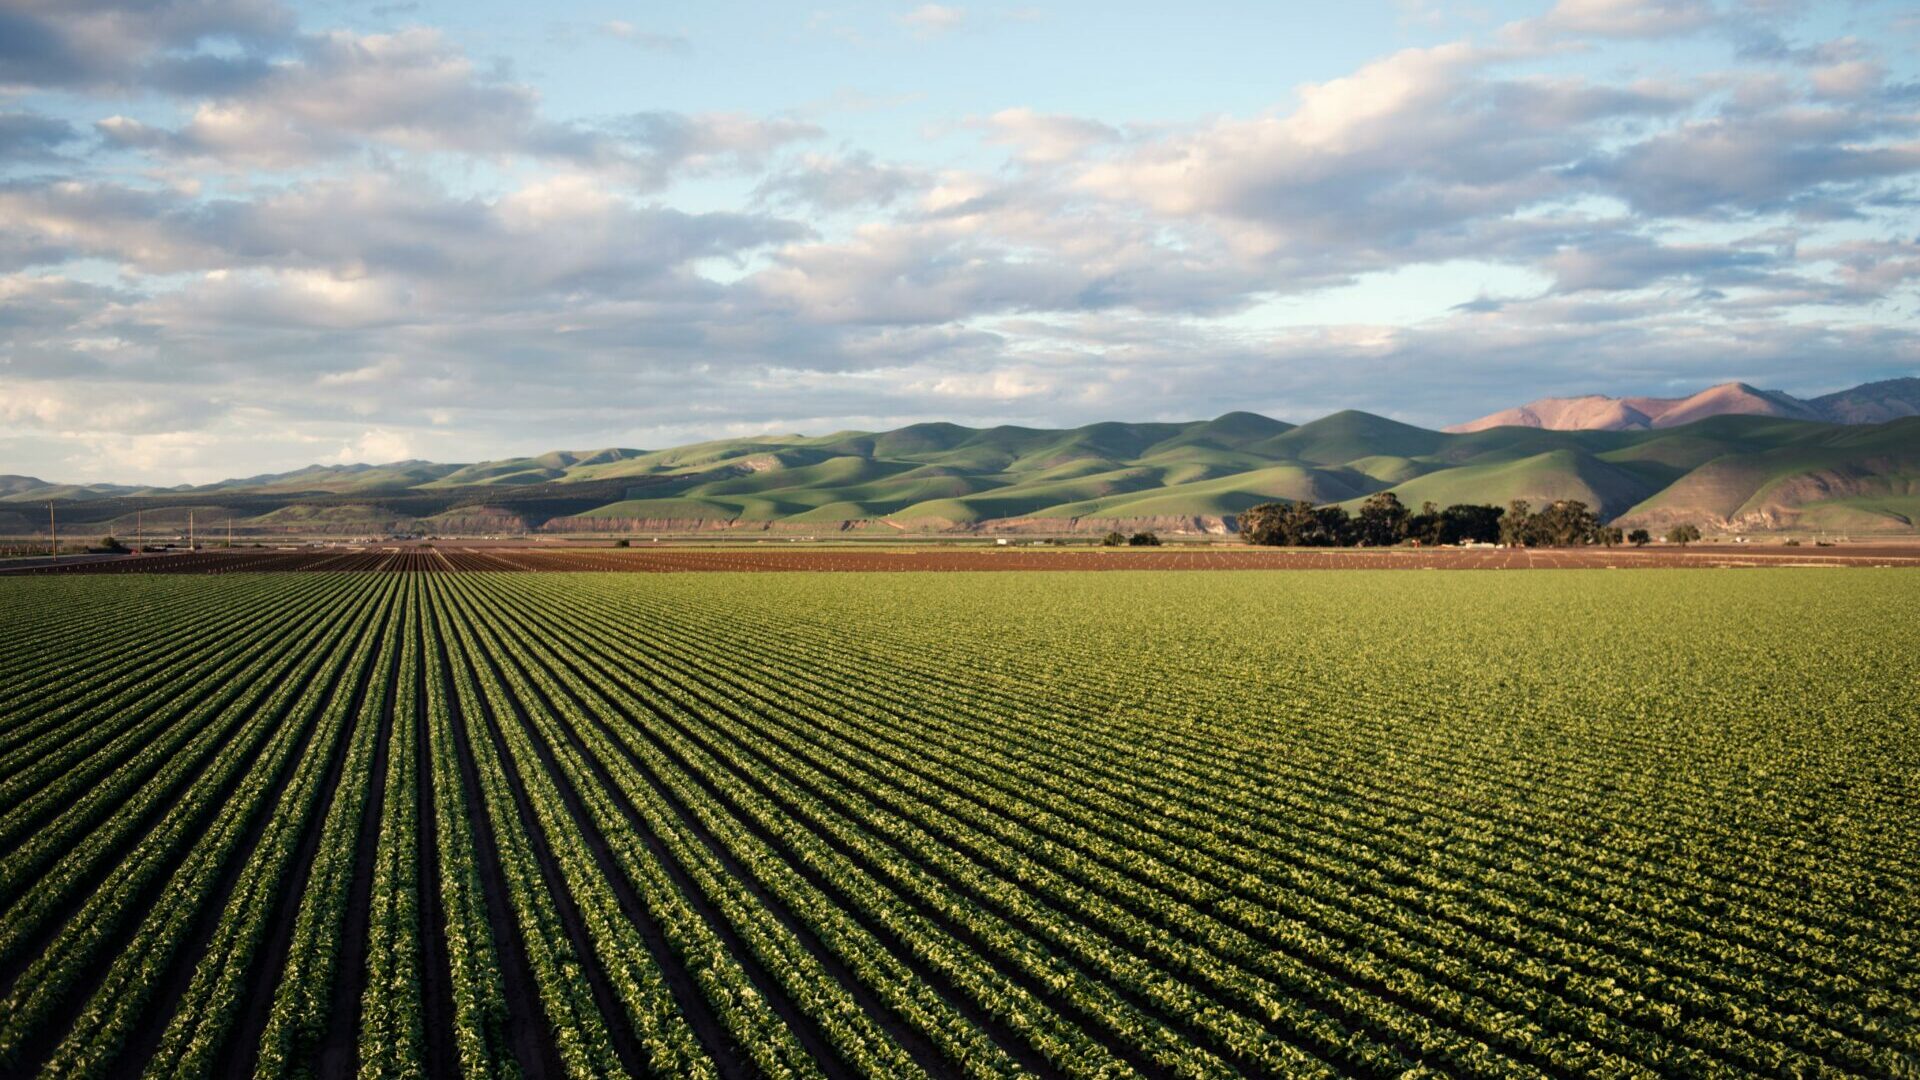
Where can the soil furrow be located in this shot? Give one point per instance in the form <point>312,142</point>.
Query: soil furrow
<point>436,973</point>
<point>159,804</point>
<point>1016,1046</point>
<point>57,1024</point>
<point>632,1056</point>
<point>264,972</point>
<point>805,1028</point>
<point>924,1052</point>
<point>1066,1006</point>
<point>527,1025</point>
<point>338,1053</point>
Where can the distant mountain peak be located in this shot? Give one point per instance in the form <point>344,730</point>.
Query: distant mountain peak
<point>1871,403</point>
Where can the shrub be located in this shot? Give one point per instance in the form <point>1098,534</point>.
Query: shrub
<point>1143,539</point>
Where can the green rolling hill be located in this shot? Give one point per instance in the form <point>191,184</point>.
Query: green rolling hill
<point>1744,472</point>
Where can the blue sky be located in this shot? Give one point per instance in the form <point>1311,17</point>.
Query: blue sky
<point>240,235</point>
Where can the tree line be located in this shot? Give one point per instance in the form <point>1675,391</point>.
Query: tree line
<point>1383,521</point>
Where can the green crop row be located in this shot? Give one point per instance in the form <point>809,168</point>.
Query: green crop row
<point>1086,826</point>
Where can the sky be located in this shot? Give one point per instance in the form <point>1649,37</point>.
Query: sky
<point>243,236</point>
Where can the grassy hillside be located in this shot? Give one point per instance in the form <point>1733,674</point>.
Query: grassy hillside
<point>1539,479</point>
<point>1863,478</point>
<point>1751,472</point>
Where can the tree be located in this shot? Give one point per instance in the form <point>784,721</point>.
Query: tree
<point>1426,527</point>
<point>623,542</point>
<point>1299,524</point>
<point>1308,525</point>
<point>1382,521</point>
<point>1683,534</point>
<point>1143,539</point>
<point>1609,535</point>
<point>1464,523</point>
<point>1112,539</point>
<point>1517,528</point>
<point>1565,523</point>
<point>1261,524</point>
<point>1639,538</point>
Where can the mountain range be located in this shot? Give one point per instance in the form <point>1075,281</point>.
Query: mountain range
<point>1734,471</point>
<point>1872,403</point>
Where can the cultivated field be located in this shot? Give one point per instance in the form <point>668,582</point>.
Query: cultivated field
<point>1069,825</point>
<point>672,558</point>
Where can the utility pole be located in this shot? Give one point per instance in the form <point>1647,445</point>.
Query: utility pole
<point>139,529</point>
<point>229,532</point>
<point>53,533</point>
<point>189,530</point>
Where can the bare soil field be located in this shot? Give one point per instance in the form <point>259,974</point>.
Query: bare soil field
<point>462,558</point>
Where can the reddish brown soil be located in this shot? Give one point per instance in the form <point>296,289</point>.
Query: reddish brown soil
<point>686,559</point>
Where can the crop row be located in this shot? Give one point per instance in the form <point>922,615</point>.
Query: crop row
<point>493,825</point>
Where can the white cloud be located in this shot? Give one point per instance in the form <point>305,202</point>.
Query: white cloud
<point>1627,18</point>
<point>414,90</point>
<point>379,447</point>
<point>832,182</point>
<point>933,20</point>
<point>1046,140</point>
<point>1848,78</point>
<point>72,409</point>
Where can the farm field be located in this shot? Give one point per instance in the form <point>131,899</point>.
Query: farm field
<point>673,558</point>
<point>1161,824</point>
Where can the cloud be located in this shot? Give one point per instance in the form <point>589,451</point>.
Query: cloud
<point>934,20</point>
<point>380,447</point>
<point>651,41</point>
<point>1616,263</point>
<point>1848,79</point>
<point>1628,18</point>
<point>26,136</point>
<point>72,409</point>
<point>1748,163</point>
<point>1041,139</point>
<point>831,183</point>
<point>78,361</point>
<point>1421,156</point>
<point>413,90</point>
<point>108,45</point>
<point>409,89</point>
<point>571,233</point>
<point>350,245</point>
<point>669,142</point>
